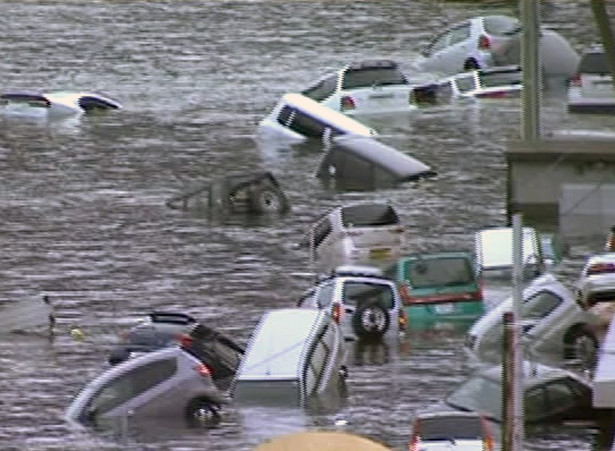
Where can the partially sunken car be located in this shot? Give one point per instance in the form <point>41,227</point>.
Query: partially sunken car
<point>247,193</point>
<point>169,382</point>
<point>297,118</point>
<point>362,300</point>
<point>358,233</point>
<point>364,87</point>
<point>554,325</point>
<point>55,103</point>
<point>293,355</point>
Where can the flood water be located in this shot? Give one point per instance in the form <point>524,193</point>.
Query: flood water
<point>83,208</point>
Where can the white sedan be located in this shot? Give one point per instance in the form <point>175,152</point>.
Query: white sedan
<point>55,103</point>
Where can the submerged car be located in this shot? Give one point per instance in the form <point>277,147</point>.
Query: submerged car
<point>550,395</point>
<point>452,430</point>
<point>169,382</point>
<point>364,87</point>
<point>168,329</point>
<point>596,292</point>
<point>297,118</point>
<point>361,233</point>
<point>554,326</point>
<point>293,355</point>
<point>468,45</point>
<point>55,103</point>
<point>439,286</point>
<point>362,300</point>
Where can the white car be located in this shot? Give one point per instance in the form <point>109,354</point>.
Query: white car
<point>359,233</point>
<point>293,355</point>
<point>364,87</point>
<point>453,430</point>
<point>596,291</point>
<point>591,90</point>
<point>169,383</point>
<point>55,104</point>
<point>362,300</point>
<point>554,326</point>
<point>297,117</point>
<point>468,45</point>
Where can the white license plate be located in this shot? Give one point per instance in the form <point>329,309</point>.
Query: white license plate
<point>445,308</point>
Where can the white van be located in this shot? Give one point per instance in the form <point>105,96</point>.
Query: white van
<point>494,251</point>
<point>297,117</point>
<point>293,354</point>
<point>361,233</point>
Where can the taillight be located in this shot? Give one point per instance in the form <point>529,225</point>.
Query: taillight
<point>488,444</point>
<point>480,293</point>
<point>203,370</point>
<point>184,340</point>
<point>576,81</point>
<point>337,312</point>
<point>402,319</point>
<point>484,43</point>
<point>348,103</point>
<point>414,440</point>
<point>404,292</point>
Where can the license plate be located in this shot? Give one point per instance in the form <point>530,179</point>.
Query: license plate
<point>445,308</point>
<point>380,254</point>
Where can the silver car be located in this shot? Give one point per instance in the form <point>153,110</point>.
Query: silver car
<point>169,382</point>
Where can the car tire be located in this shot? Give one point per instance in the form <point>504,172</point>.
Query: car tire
<point>200,412</point>
<point>266,200</point>
<point>370,321</point>
<point>583,347</point>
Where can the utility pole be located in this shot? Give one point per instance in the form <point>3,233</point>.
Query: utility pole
<point>517,357</point>
<point>532,70</point>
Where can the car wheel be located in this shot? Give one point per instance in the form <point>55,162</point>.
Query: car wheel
<point>583,347</point>
<point>267,201</point>
<point>370,321</point>
<point>202,412</point>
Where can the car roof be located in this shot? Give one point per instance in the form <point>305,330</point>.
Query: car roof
<point>438,255</point>
<point>372,64</point>
<point>358,270</point>
<point>606,257</point>
<point>447,414</point>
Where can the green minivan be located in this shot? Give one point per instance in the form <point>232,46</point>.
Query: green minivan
<point>440,286</point>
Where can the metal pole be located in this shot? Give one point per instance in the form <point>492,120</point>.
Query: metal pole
<point>517,350</point>
<point>532,70</point>
<point>604,27</point>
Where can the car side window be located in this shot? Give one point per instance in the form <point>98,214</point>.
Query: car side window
<point>325,294</point>
<point>321,231</point>
<point>322,89</point>
<point>540,305</point>
<point>286,115</point>
<point>131,384</point>
<point>438,43</point>
<point>459,34</point>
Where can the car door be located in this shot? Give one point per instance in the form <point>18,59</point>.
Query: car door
<point>540,315</point>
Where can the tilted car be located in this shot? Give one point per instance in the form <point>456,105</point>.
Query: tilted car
<point>364,87</point>
<point>294,355</point>
<point>362,300</point>
<point>55,103</point>
<point>468,45</point>
<point>554,326</point>
<point>550,395</point>
<point>169,382</point>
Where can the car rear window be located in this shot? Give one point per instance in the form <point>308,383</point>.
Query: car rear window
<point>593,63</point>
<point>321,89</point>
<point>361,293</point>
<point>457,427</point>
<point>366,78</point>
<point>500,25</point>
<point>428,273</point>
<point>369,215</point>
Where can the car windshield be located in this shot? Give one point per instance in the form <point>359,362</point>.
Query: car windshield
<point>360,293</point>
<point>593,63</point>
<point>428,273</point>
<point>454,426</point>
<point>369,215</point>
<point>366,78</point>
<point>500,25</point>
<point>478,394</point>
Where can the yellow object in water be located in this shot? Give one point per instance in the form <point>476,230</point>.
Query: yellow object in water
<point>76,333</point>
<point>321,441</point>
